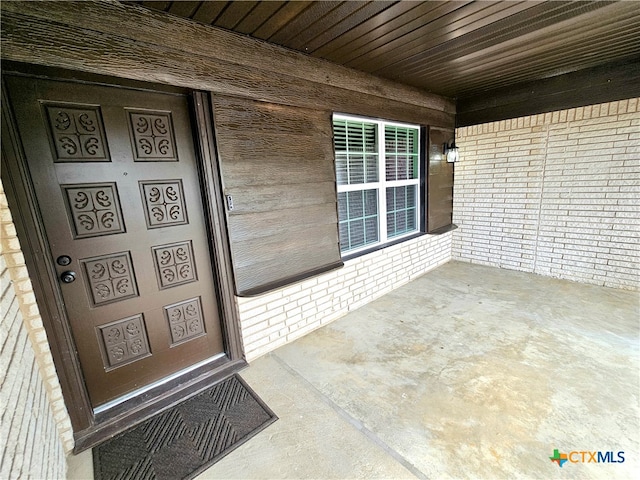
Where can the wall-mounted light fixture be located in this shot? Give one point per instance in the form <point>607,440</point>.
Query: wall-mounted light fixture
<point>451,152</point>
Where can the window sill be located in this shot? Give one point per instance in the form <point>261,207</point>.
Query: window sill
<point>286,282</point>
<point>445,229</point>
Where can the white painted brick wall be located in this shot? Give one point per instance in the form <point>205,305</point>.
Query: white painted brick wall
<point>274,319</point>
<point>556,194</point>
<point>35,431</point>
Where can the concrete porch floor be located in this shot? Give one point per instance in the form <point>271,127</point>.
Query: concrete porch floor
<point>467,372</point>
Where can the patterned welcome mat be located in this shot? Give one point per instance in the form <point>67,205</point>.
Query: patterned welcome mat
<point>184,441</point>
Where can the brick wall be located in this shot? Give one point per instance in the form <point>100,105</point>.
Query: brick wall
<point>556,194</point>
<point>271,320</point>
<point>35,433</point>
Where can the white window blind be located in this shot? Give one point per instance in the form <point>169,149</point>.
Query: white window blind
<point>378,179</point>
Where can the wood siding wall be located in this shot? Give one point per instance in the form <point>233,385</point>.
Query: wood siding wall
<point>272,113</point>
<point>439,181</point>
<point>128,41</point>
<point>277,166</point>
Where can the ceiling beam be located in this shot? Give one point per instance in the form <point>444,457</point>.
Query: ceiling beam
<point>139,25</point>
<point>605,83</point>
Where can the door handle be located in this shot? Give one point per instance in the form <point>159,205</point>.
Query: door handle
<point>68,276</point>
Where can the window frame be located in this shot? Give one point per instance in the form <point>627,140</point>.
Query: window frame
<point>383,184</point>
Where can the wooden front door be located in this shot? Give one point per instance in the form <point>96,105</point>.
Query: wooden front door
<point>116,181</point>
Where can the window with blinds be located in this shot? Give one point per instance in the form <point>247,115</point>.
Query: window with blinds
<point>378,180</point>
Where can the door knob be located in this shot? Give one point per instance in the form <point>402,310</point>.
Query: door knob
<point>68,276</point>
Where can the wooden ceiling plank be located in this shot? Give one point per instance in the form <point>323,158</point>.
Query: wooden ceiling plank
<point>372,9</point>
<point>259,15</point>
<point>394,28</point>
<point>316,11</point>
<point>184,9</point>
<point>394,51</point>
<point>420,49</point>
<point>208,12</point>
<point>493,37</point>
<point>280,19</point>
<point>348,54</point>
<point>233,14</point>
<point>492,82</point>
<point>567,27</point>
<point>492,13</point>
<point>582,55</point>
<point>377,21</point>
<point>453,79</point>
<point>623,42</point>
<point>563,83</point>
<point>547,41</point>
<point>541,65</point>
<point>533,75</point>
<point>338,20</point>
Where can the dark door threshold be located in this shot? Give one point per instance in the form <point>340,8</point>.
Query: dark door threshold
<point>138,409</point>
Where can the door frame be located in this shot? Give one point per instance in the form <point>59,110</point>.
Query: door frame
<point>89,428</point>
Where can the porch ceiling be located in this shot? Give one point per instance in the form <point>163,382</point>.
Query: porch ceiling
<point>453,48</point>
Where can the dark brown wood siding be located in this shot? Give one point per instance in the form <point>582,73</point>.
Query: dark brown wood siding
<point>112,38</point>
<point>439,181</point>
<point>277,167</point>
<point>273,115</point>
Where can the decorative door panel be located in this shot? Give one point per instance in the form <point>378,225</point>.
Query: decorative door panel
<point>185,320</point>
<point>124,341</point>
<point>163,203</point>
<point>76,133</point>
<point>109,278</point>
<point>174,264</point>
<point>116,182</point>
<point>152,136</point>
<point>93,209</point>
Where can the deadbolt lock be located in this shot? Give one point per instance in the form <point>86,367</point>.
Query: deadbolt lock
<point>68,276</point>
<point>63,260</point>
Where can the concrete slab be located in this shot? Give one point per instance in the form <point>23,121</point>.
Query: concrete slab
<point>466,372</point>
<point>311,439</point>
<point>475,372</point>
